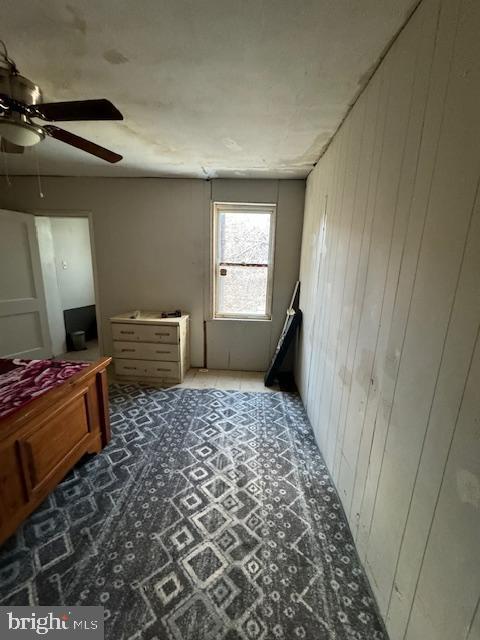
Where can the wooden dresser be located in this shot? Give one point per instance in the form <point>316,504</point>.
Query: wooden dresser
<point>151,348</point>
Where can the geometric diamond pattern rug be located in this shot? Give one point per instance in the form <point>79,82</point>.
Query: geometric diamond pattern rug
<point>210,516</point>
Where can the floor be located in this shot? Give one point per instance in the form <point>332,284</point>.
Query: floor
<point>224,379</point>
<point>195,378</point>
<point>91,353</point>
<point>233,530</point>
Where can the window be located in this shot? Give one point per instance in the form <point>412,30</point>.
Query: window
<point>243,241</point>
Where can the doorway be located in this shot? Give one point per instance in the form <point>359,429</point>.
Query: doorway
<point>65,250</point>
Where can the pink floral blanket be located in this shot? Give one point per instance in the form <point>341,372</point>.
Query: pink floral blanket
<point>21,381</point>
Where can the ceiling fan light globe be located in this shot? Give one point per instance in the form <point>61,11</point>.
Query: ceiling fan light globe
<point>20,133</point>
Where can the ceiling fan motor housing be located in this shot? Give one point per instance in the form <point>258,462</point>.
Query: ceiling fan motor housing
<point>19,88</point>
<point>16,127</point>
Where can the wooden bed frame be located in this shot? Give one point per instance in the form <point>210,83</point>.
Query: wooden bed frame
<point>42,441</point>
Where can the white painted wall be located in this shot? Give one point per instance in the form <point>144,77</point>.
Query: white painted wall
<point>389,357</point>
<point>73,261</point>
<point>249,345</point>
<point>152,249</point>
<point>56,324</point>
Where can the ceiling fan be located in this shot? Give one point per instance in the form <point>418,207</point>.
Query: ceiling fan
<point>21,103</point>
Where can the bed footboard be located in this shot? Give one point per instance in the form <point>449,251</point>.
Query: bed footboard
<point>42,442</point>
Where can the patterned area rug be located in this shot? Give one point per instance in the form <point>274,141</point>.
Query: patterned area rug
<point>210,516</point>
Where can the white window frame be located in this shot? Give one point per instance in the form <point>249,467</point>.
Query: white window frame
<point>242,207</point>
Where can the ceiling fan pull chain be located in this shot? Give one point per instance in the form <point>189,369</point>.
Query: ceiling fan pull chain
<point>39,179</point>
<point>7,177</point>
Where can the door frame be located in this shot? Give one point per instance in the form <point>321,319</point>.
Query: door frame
<point>80,213</point>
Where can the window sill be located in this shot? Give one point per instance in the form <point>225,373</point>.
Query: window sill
<point>221,319</point>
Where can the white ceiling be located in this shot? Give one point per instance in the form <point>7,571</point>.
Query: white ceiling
<point>227,88</point>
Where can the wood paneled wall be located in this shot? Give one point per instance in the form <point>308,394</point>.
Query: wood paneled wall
<point>388,363</point>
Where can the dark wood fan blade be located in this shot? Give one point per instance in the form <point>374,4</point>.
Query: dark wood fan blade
<point>81,143</point>
<point>9,147</point>
<point>78,110</point>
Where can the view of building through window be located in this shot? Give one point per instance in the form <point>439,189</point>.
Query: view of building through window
<point>243,260</point>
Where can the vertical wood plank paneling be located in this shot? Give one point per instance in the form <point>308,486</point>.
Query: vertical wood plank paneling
<point>456,359</point>
<point>398,114</point>
<point>308,271</point>
<point>380,110</point>
<point>436,279</point>
<point>324,285</point>
<point>317,214</point>
<point>447,595</point>
<point>392,310</point>
<point>341,257</point>
<point>310,281</point>
<point>359,227</point>
<point>327,295</point>
<point>364,495</point>
<point>427,14</point>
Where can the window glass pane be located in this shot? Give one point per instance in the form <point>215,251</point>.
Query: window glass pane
<point>243,290</point>
<point>244,237</point>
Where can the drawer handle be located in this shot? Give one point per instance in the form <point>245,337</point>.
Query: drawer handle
<point>129,350</point>
<point>134,368</point>
<point>162,334</point>
<point>130,333</point>
<point>162,369</point>
<point>157,351</point>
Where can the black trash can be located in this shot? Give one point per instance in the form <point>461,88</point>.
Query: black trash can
<point>78,340</point>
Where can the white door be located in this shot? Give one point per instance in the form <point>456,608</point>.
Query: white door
<point>23,315</point>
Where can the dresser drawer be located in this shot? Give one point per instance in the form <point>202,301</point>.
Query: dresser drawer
<point>145,333</point>
<point>146,368</point>
<point>146,351</point>
<point>162,369</point>
<point>129,367</point>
